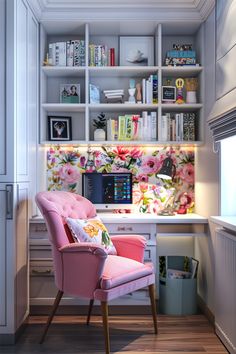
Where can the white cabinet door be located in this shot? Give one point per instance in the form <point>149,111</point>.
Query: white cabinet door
<point>2,257</point>
<point>18,91</point>
<point>3,119</point>
<point>14,302</point>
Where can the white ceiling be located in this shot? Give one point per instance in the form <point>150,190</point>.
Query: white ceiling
<point>156,10</point>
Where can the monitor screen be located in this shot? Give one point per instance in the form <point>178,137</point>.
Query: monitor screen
<point>108,189</point>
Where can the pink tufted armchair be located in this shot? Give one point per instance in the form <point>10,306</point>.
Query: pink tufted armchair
<point>84,269</point>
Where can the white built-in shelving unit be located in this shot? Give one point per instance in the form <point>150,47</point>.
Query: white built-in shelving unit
<point>116,77</point>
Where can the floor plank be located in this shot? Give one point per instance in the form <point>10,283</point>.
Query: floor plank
<point>128,335</point>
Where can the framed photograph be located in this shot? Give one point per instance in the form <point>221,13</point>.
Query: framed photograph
<point>136,50</point>
<point>70,93</point>
<point>168,93</point>
<point>59,128</point>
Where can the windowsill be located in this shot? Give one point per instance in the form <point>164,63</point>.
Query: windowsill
<point>229,222</point>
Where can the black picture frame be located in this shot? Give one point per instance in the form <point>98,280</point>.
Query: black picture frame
<point>59,128</point>
<point>168,93</point>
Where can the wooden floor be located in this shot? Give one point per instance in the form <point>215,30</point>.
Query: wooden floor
<point>128,334</point>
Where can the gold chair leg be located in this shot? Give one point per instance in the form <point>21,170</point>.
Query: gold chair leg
<point>50,317</point>
<point>89,311</point>
<point>104,307</point>
<point>153,305</point>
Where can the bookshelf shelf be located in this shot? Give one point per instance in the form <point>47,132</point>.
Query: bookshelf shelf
<point>116,78</point>
<point>181,107</point>
<point>122,71</point>
<point>63,107</point>
<point>112,107</point>
<point>63,71</point>
<point>182,71</point>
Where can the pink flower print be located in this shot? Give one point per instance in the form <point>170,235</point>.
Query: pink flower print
<point>136,153</point>
<point>187,173</point>
<point>121,152</point>
<point>68,174</point>
<point>137,196</point>
<point>82,161</point>
<point>115,168</point>
<point>150,165</point>
<point>142,177</point>
<point>97,153</point>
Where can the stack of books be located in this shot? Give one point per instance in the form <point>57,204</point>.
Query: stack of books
<point>177,127</point>
<point>150,90</point>
<point>113,96</point>
<point>133,127</point>
<point>180,56</point>
<point>69,53</point>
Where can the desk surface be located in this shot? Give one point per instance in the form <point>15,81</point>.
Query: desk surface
<point>113,218</point>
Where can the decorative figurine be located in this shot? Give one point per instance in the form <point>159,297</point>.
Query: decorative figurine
<point>131,91</point>
<point>46,61</point>
<point>138,93</point>
<point>191,88</point>
<point>179,84</point>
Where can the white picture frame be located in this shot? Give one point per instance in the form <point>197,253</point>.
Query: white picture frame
<point>136,51</point>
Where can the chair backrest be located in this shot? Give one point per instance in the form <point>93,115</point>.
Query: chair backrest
<point>55,206</point>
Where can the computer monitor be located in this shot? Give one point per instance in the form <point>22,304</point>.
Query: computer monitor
<point>108,190</point>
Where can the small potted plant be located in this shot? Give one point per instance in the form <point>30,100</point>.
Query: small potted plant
<point>99,123</point>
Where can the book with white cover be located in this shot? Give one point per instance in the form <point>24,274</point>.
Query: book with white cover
<point>153,126</point>
<point>164,128</point>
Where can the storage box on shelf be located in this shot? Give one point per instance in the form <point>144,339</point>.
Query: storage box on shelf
<point>103,77</point>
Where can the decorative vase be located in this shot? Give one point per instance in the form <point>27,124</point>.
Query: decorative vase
<point>191,88</point>
<point>99,135</point>
<point>191,97</point>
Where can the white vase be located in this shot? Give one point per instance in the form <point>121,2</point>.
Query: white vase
<point>99,135</point>
<point>191,97</point>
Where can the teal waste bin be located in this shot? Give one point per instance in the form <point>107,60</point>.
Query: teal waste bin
<point>178,285</point>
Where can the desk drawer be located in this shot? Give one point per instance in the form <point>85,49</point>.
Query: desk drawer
<point>148,231</point>
<point>41,267</point>
<point>42,279</point>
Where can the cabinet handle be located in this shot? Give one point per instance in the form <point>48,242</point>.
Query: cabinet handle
<point>9,201</point>
<point>123,228</point>
<point>40,272</point>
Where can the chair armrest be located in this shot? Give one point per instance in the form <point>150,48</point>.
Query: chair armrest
<point>82,267</point>
<point>130,246</point>
<point>83,247</point>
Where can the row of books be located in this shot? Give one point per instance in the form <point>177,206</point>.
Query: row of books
<point>150,90</point>
<point>98,55</point>
<point>69,53</point>
<point>133,127</point>
<point>177,127</point>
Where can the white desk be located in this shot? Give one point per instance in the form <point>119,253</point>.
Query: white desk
<point>166,235</point>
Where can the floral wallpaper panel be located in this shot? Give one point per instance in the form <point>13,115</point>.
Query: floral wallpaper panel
<point>150,193</point>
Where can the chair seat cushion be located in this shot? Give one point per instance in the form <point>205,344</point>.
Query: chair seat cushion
<point>120,270</point>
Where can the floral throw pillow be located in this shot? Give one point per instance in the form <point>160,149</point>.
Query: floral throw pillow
<point>91,230</point>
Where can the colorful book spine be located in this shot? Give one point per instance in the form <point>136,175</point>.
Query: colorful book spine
<point>154,89</point>
<point>69,53</point>
<point>192,127</point>
<point>121,128</point>
<point>128,127</point>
